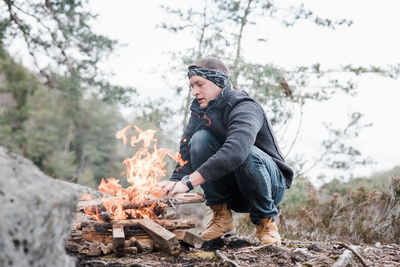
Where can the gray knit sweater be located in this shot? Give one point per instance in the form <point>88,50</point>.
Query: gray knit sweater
<point>238,122</point>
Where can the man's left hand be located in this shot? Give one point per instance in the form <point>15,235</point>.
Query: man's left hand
<point>179,187</point>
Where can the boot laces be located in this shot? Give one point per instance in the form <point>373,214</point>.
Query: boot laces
<point>265,227</point>
<point>216,219</point>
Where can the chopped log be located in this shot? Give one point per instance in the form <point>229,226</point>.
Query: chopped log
<point>186,198</point>
<point>131,242</point>
<point>118,239</point>
<point>189,238</point>
<point>94,249</point>
<point>147,238</point>
<point>101,231</point>
<point>105,216</point>
<point>77,225</point>
<point>76,235</point>
<point>106,249</point>
<point>83,249</point>
<point>180,234</point>
<point>92,235</point>
<point>160,204</point>
<point>71,246</point>
<point>131,250</point>
<point>145,245</point>
<point>166,239</point>
<point>104,227</point>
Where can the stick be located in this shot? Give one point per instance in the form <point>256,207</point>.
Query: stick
<point>166,239</point>
<point>359,257</point>
<point>189,238</point>
<point>224,259</point>
<point>135,224</point>
<point>118,239</point>
<point>177,199</point>
<point>252,249</point>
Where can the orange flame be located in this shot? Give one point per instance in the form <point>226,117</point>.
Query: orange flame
<point>143,171</point>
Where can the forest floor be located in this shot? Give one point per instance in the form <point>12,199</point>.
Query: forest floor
<point>241,252</point>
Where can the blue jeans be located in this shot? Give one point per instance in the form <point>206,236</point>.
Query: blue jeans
<point>257,186</point>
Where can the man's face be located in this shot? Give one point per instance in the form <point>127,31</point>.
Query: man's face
<point>204,90</point>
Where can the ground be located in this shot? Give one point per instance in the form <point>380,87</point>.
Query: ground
<point>242,252</point>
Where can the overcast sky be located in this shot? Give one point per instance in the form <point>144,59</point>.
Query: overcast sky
<point>373,39</point>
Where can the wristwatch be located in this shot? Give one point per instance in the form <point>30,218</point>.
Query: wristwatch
<point>186,180</point>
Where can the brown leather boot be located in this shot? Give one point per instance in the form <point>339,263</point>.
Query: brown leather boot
<point>221,223</point>
<point>267,232</point>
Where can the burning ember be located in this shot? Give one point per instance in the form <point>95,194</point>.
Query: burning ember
<point>143,171</point>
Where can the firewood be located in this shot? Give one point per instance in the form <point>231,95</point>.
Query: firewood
<point>180,234</point>
<point>145,245</point>
<point>160,204</point>
<point>166,239</point>
<point>105,216</point>
<point>130,242</point>
<point>94,249</point>
<point>102,231</point>
<point>118,239</point>
<point>189,238</point>
<point>71,246</point>
<point>83,249</point>
<point>92,235</point>
<point>131,250</point>
<point>104,227</point>
<point>77,225</point>
<point>106,249</point>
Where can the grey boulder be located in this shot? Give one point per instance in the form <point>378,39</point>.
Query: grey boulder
<point>36,214</point>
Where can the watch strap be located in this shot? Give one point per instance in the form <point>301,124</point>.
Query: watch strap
<point>186,180</point>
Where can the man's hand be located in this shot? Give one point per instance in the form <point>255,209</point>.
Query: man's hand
<point>166,186</point>
<point>179,187</point>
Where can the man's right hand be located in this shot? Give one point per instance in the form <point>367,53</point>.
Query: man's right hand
<point>166,186</point>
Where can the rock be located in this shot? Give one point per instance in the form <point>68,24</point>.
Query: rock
<point>372,250</point>
<point>315,247</point>
<point>347,258</point>
<point>278,251</point>
<point>302,254</point>
<point>36,214</point>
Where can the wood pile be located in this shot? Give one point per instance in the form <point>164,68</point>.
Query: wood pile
<point>132,236</point>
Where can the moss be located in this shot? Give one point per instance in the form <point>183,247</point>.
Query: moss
<point>203,255</point>
<point>335,257</point>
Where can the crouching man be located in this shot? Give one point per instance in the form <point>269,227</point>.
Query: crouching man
<point>232,153</point>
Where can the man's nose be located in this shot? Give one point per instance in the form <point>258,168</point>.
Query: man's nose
<point>195,91</point>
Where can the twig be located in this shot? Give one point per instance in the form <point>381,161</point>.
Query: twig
<point>252,250</point>
<point>172,188</point>
<point>96,262</point>
<point>359,257</point>
<point>297,132</point>
<point>224,259</point>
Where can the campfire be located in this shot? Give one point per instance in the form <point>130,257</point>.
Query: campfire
<point>133,219</point>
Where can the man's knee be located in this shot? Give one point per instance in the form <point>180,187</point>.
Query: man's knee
<point>252,160</point>
<point>202,142</point>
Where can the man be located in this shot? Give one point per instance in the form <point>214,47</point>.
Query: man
<point>232,153</point>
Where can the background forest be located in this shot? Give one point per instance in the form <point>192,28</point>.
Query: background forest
<point>61,107</point>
